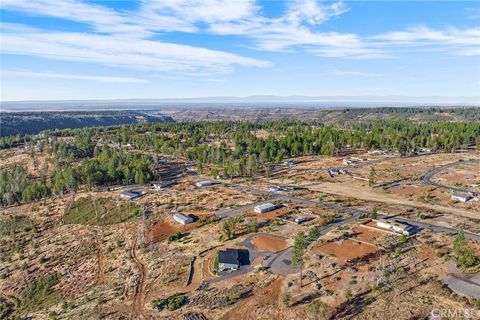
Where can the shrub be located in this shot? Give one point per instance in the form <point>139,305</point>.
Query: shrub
<point>175,236</point>
<point>216,264</point>
<point>172,303</point>
<point>403,239</point>
<point>317,309</point>
<point>286,299</point>
<point>176,301</point>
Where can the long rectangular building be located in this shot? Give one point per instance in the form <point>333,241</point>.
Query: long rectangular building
<point>266,207</point>
<point>182,218</point>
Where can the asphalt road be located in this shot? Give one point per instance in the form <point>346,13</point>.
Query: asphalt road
<point>427,177</point>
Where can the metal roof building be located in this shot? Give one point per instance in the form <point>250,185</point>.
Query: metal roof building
<point>128,195</point>
<point>265,207</point>
<point>182,218</point>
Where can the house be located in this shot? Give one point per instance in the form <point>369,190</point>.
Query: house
<point>182,218</point>
<point>130,195</point>
<point>266,207</point>
<point>462,196</point>
<point>162,185</point>
<point>229,259</point>
<point>394,226</point>
<point>289,188</point>
<point>335,171</point>
<point>275,189</point>
<point>347,162</point>
<point>290,162</point>
<point>301,220</point>
<point>377,151</point>
<point>204,183</point>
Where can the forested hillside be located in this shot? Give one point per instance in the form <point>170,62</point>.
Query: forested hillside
<point>34,122</point>
<point>102,156</point>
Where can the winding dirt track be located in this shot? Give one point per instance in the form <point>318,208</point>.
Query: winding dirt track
<point>371,195</point>
<point>100,276</point>
<point>139,297</point>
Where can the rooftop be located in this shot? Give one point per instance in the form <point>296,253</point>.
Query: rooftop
<point>231,256</point>
<point>265,205</point>
<point>181,216</point>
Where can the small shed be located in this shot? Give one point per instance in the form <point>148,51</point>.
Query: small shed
<point>266,207</point>
<point>181,218</point>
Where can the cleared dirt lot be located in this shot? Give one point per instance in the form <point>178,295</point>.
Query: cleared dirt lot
<point>269,243</point>
<point>346,250</point>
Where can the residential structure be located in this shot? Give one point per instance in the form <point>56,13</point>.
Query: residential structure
<point>162,185</point>
<point>266,207</point>
<point>335,171</point>
<point>130,195</point>
<point>204,183</point>
<point>229,259</point>
<point>396,227</point>
<point>301,220</point>
<point>462,196</point>
<point>290,162</point>
<point>182,218</point>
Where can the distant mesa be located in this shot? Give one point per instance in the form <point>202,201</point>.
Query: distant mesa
<point>35,122</point>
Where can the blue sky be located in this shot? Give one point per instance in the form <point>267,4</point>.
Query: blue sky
<point>69,49</point>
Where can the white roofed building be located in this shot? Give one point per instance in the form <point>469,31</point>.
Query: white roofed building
<point>266,207</point>
<point>182,218</point>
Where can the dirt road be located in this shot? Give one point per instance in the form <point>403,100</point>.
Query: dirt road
<point>100,276</point>
<point>139,297</point>
<point>373,195</point>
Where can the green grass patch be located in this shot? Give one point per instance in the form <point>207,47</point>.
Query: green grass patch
<point>13,225</point>
<point>175,236</point>
<point>39,294</point>
<point>216,264</point>
<point>103,211</point>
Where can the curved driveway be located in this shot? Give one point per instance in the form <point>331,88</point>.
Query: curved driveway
<point>427,177</point>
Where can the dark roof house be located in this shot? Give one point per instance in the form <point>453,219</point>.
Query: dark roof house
<point>229,259</point>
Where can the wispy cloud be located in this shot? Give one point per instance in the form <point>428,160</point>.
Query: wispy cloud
<point>122,38</point>
<point>458,41</point>
<point>75,76</point>
<point>132,38</point>
<point>117,51</point>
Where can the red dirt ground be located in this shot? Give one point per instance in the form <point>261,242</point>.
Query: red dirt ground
<point>367,234</point>
<point>347,250</point>
<point>269,243</point>
<point>160,230</point>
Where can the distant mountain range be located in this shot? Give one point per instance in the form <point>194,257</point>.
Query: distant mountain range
<point>264,101</point>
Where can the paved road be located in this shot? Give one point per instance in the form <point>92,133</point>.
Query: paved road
<point>465,284</point>
<point>427,177</point>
